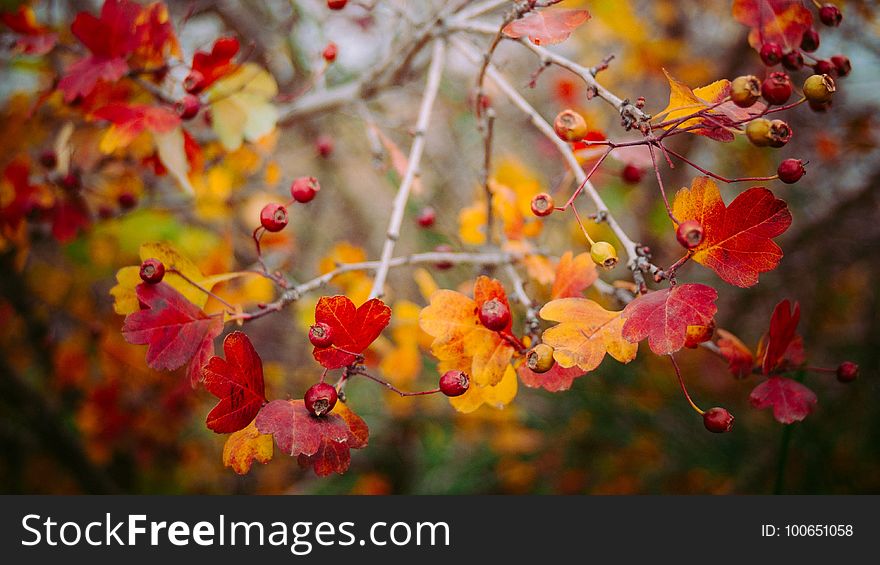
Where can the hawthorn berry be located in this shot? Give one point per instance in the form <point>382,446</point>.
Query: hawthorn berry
<point>791,170</point>
<point>540,358</point>
<point>324,146</point>
<point>321,335</point>
<point>745,90</point>
<point>718,420</point>
<point>830,15</point>
<point>225,48</point>
<point>304,189</point>
<point>273,217</point>
<point>780,133</point>
<point>542,205</point>
<point>632,174</point>
<point>824,67</point>
<point>427,216</point>
<point>771,54</point>
<point>793,60</point>
<point>842,65</point>
<point>454,383</point>
<point>810,40</point>
<point>194,82</point>
<point>330,51</point>
<point>152,271</point>
<point>819,88</point>
<point>819,106</point>
<point>188,107</point>
<point>336,4</point>
<point>48,159</point>
<point>847,372</point>
<point>776,88</point>
<point>443,265</point>
<point>71,182</point>
<point>603,254</point>
<point>126,200</point>
<point>758,131</point>
<point>570,126</point>
<point>494,315</point>
<point>320,399</point>
<point>689,234</point>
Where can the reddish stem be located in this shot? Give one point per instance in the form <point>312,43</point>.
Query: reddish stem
<point>683,387</point>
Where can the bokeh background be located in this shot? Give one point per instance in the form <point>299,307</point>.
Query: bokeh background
<point>81,412</point>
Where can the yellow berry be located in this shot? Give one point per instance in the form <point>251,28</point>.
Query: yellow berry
<point>758,132</point>
<point>540,358</point>
<point>604,254</point>
<point>570,126</point>
<point>819,88</point>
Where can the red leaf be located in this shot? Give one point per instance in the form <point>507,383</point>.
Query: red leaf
<point>774,21</point>
<point>783,328</point>
<point>555,380</point>
<point>113,34</point>
<point>739,358</point>
<point>548,26</point>
<point>664,315</point>
<point>335,457</point>
<point>238,382</point>
<point>175,330</point>
<point>138,117</point>
<point>82,76</point>
<point>69,216</point>
<point>216,63</point>
<point>353,329</point>
<point>791,401</point>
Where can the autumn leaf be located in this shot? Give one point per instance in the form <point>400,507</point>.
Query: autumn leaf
<point>174,329</point>
<point>663,316</point>
<point>130,120</point>
<point>498,395</point>
<point>547,27</point>
<point>556,379</point>
<point>245,446</point>
<point>774,21</point>
<point>737,240</point>
<point>791,401</point>
<point>217,62</point>
<point>335,457</point>
<point>238,382</point>
<point>241,106</point>
<point>353,329</point>
<point>739,357</point>
<point>35,39</point>
<point>781,347</point>
<point>585,333</point>
<point>573,275</point>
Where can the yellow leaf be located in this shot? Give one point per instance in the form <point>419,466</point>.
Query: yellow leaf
<point>241,106</point>
<point>683,101</point>
<point>245,446</point>
<point>496,396</point>
<point>170,147</point>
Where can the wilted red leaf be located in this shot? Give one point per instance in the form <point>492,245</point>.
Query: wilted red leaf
<point>573,275</point>
<point>783,329</point>
<point>547,27</point>
<point>175,330</point>
<point>774,21</point>
<point>555,380</point>
<point>737,240</point>
<point>664,315</point>
<point>791,401</point>
<point>238,382</point>
<point>740,360</point>
<point>353,329</point>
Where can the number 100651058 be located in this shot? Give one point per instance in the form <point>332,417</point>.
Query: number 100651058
<point>808,530</point>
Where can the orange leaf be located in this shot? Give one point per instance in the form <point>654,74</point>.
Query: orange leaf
<point>739,357</point>
<point>573,275</point>
<point>246,446</point>
<point>585,333</point>
<point>737,240</point>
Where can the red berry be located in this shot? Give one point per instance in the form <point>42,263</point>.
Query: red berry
<point>427,216</point>
<point>830,15</point>
<point>632,174</point>
<point>494,314</point>
<point>152,271</point>
<point>71,182</point>
<point>304,189</point>
<point>336,4</point>
<point>330,52</point>
<point>793,60</point>
<point>771,54</point>
<point>324,146</point>
<point>776,89</point>
<point>824,67</point>
<point>689,234</point>
<point>273,217</point>
<point>105,212</point>
<point>454,383</point>
<point>745,90</point>
<point>225,48</point>
<point>718,420</point>
<point>842,65</point>
<point>126,200</point>
<point>542,205</point>
<point>320,399</point>
<point>443,265</point>
<point>49,159</point>
<point>321,335</point>
<point>188,107</point>
<point>847,372</point>
<point>810,40</point>
<point>194,82</point>
<point>791,170</point>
